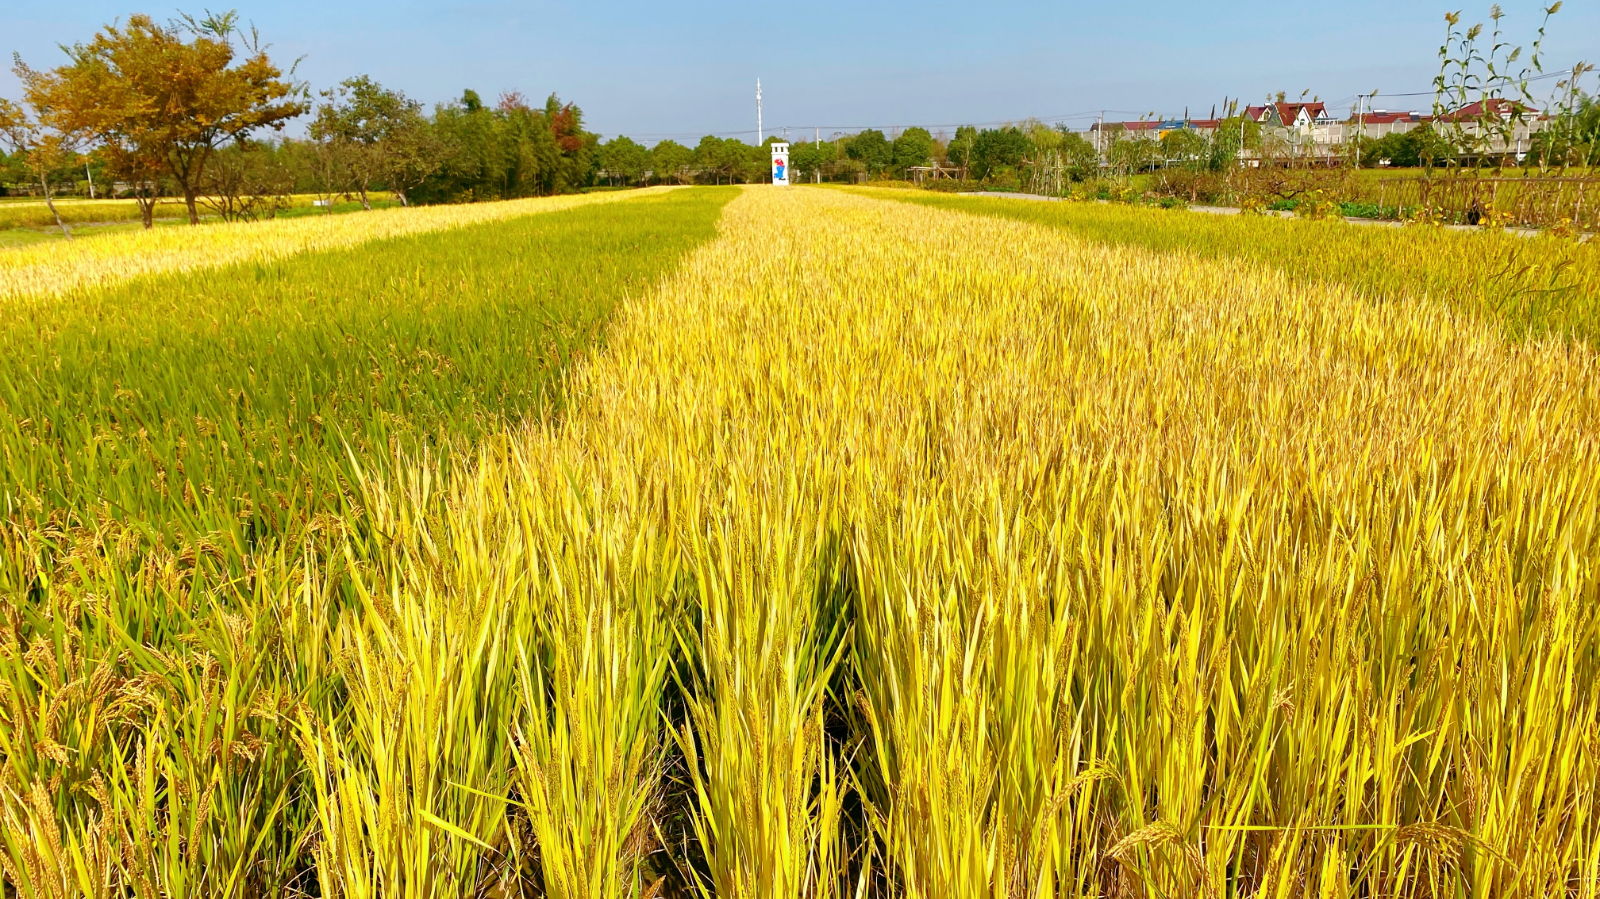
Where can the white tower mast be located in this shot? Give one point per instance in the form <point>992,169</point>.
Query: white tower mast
<point>758,111</point>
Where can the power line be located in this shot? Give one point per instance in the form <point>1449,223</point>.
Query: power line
<point>854,128</point>
<point>1434,93</point>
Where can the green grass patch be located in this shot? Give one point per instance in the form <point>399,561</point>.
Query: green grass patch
<point>23,237</point>
<point>226,405</point>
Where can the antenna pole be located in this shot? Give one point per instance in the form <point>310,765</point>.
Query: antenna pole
<point>758,111</point>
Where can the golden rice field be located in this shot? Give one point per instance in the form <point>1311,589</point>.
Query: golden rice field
<point>1541,285</point>
<point>35,213</point>
<point>50,269</point>
<point>874,550</point>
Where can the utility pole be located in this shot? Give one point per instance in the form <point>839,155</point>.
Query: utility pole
<point>759,138</point>
<point>1361,127</point>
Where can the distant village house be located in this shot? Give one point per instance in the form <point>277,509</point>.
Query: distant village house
<point>1314,132</point>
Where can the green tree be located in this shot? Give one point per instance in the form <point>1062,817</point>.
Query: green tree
<point>1125,155</point>
<point>531,154</point>
<point>999,148</point>
<point>1057,157</point>
<point>806,159</point>
<point>670,159</point>
<point>12,170</point>
<point>872,149</point>
<point>708,157</point>
<point>623,158</point>
<point>1400,148</point>
<point>510,150</point>
<point>813,160</point>
<point>1185,147</point>
<point>752,165</point>
<point>383,135</point>
<point>1233,136</point>
<point>914,146</point>
<point>1430,148</point>
<point>1079,156</point>
<point>476,162</point>
<point>962,145</point>
<point>722,158</point>
<point>1360,148</point>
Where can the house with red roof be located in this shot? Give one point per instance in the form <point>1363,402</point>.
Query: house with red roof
<point>1493,107</point>
<point>1378,123</point>
<point>1385,117</point>
<point>1506,126</point>
<point>1302,115</point>
<point>1289,115</point>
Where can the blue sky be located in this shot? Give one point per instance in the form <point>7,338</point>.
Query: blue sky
<point>657,69</point>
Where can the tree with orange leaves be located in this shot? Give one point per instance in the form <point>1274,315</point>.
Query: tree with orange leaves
<point>579,148</point>
<point>166,98</point>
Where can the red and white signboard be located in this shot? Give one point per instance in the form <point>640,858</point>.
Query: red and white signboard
<point>780,165</point>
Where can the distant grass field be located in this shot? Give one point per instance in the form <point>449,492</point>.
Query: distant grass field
<point>1534,286</point>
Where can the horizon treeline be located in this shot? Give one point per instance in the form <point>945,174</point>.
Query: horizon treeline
<point>866,154</point>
